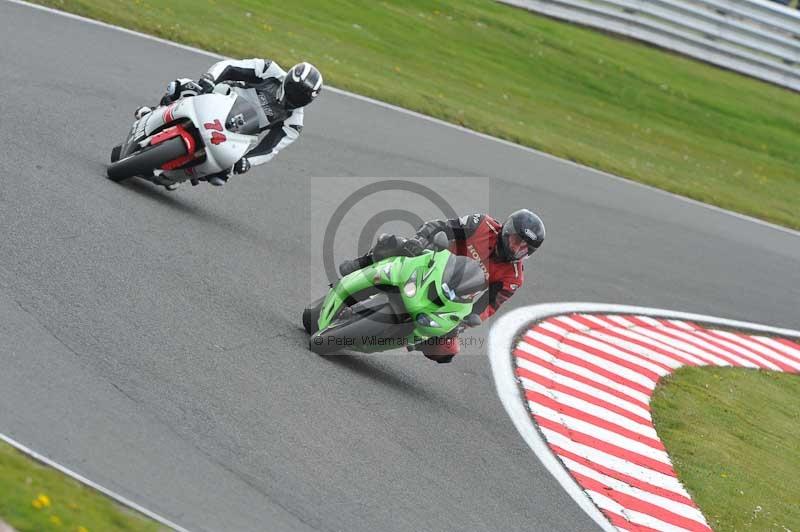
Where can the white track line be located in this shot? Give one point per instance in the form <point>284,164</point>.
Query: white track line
<point>429,119</point>
<point>105,491</point>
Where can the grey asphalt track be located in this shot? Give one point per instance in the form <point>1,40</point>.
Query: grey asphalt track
<point>151,340</point>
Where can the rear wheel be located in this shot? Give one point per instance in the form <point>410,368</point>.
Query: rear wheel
<point>147,160</point>
<point>311,315</point>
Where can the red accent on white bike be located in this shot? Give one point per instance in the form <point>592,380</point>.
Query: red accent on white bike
<point>168,114</point>
<point>218,138</point>
<point>215,125</point>
<point>188,139</point>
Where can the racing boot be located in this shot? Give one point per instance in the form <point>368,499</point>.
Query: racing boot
<point>349,266</point>
<point>217,179</point>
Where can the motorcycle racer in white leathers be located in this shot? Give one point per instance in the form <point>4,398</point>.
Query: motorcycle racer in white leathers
<point>279,94</point>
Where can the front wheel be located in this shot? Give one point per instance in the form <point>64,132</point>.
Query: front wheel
<point>145,161</point>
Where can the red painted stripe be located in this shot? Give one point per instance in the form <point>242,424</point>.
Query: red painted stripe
<point>620,522</point>
<point>788,343</point>
<point>719,350</point>
<point>168,114</point>
<point>652,375</point>
<point>638,505</point>
<point>738,340</point>
<point>588,365</point>
<point>743,351</point>
<point>672,335</point>
<point>549,383</point>
<point>627,479</point>
<point>785,350</point>
<point>648,344</point>
<point>580,378</point>
<point>579,335</point>
<point>576,413</point>
<point>608,448</point>
<point>677,360</point>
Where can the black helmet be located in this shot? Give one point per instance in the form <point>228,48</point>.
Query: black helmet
<point>300,86</point>
<point>522,234</point>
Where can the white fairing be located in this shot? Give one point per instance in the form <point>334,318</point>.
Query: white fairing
<point>208,113</point>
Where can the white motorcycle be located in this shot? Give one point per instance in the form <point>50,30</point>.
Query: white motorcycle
<point>189,139</point>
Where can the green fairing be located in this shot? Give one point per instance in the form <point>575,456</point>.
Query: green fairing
<point>397,271</point>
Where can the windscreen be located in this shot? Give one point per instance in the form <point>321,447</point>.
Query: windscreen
<point>243,118</point>
<point>463,279</point>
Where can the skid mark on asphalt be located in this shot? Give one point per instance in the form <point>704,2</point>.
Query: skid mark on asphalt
<point>587,381</point>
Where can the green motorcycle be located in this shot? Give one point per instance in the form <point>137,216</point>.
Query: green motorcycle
<point>397,302</point>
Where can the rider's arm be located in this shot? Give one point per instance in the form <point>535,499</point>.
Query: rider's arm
<point>247,70</point>
<point>277,139</point>
<point>455,228</point>
<point>500,291</point>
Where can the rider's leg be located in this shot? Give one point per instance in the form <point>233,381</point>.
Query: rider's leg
<point>349,266</point>
<point>386,246</point>
<point>179,88</point>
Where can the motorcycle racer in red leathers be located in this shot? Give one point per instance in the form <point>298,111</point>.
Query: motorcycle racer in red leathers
<point>500,249</point>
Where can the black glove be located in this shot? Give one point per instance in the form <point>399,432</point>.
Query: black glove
<point>206,83</point>
<point>415,246</point>
<point>241,166</point>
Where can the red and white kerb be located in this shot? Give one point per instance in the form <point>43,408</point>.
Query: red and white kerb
<point>588,380</point>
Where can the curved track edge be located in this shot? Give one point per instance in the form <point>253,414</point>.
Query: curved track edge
<point>505,334</point>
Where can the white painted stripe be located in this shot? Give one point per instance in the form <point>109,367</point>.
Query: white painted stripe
<point>747,343</point>
<point>622,371</point>
<point>437,121</point>
<point>634,335</point>
<point>671,362</point>
<point>748,358</point>
<point>696,338</point>
<point>592,409</point>
<point>749,352</point>
<point>790,352</point>
<point>94,485</point>
<point>600,346</point>
<point>579,370</point>
<point>585,388</point>
<point>682,324</point>
<point>615,463</point>
<point>600,433</point>
<point>660,340</point>
<point>638,518</point>
<point>675,507</point>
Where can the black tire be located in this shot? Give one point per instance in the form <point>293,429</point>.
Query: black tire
<point>349,333</point>
<point>311,315</point>
<point>146,160</point>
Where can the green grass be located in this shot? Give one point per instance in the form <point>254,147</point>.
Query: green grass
<point>36,498</point>
<point>734,438</point>
<point>609,103</point>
